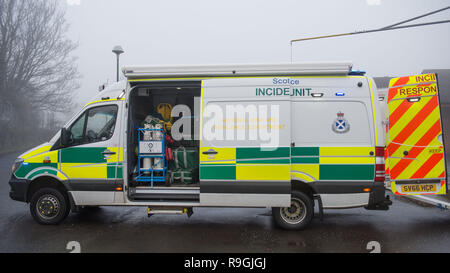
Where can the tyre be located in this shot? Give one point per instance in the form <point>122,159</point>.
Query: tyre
<point>298,216</point>
<point>49,206</point>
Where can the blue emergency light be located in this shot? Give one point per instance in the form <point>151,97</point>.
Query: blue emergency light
<point>357,73</point>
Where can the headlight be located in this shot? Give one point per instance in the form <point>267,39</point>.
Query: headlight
<point>16,165</point>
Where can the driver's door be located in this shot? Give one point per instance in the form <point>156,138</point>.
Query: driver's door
<point>90,160</point>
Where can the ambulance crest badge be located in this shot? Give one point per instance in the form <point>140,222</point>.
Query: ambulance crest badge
<point>340,124</point>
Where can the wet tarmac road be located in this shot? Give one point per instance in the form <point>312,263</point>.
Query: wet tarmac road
<point>406,227</point>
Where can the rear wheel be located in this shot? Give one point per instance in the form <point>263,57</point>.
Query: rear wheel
<point>49,206</point>
<point>298,215</point>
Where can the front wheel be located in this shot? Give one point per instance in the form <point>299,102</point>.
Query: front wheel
<point>298,215</point>
<point>49,206</point>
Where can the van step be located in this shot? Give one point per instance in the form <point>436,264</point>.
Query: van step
<point>164,197</point>
<point>165,194</point>
<point>169,210</point>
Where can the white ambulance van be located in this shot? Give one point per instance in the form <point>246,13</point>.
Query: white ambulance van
<point>172,138</point>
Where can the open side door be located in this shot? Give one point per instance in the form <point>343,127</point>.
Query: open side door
<point>415,156</point>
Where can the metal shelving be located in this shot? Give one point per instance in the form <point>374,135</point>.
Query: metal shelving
<point>153,149</point>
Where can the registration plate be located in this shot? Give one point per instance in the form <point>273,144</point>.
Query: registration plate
<point>419,188</point>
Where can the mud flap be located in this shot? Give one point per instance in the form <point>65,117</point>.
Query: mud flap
<point>415,153</point>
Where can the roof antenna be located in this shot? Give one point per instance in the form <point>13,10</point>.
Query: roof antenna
<point>390,27</point>
<point>291,51</point>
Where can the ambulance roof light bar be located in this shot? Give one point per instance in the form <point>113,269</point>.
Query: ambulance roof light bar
<point>357,73</point>
<point>230,70</point>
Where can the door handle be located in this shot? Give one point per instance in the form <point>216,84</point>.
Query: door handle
<point>210,152</point>
<point>108,152</point>
<point>406,153</point>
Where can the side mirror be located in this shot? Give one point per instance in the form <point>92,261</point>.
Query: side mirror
<point>65,137</point>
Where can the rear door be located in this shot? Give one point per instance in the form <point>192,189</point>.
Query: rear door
<point>245,142</point>
<point>415,149</point>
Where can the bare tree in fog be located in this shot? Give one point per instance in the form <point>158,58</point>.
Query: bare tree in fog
<point>37,72</point>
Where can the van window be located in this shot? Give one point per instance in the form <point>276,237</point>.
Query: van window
<point>101,123</point>
<point>94,125</point>
<point>329,123</point>
<point>77,130</point>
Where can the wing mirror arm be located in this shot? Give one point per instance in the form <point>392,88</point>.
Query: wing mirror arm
<point>65,137</point>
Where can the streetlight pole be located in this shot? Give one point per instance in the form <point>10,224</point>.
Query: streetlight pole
<point>118,50</point>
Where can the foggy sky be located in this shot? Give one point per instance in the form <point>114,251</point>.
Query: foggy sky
<point>156,32</point>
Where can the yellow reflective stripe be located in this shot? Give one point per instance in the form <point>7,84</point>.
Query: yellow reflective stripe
<point>414,138</point>
<point>414,123</point>
<point>333,156</point>
<point>228,155</point>
<point>263,172</point>
<point>46,169</point>
<point>61,176</point>
<point>422,79</point>
<point>393,105</point>
<point>196,78</point>
<point>201,116</point>
<point>373,112</point>
<point>117,157</point>
<point>405,119</point>
<point>241,77</point>
<point>442,190</point>
<point>344,76</point>
<point>309,169</point>
<point>394,187</point>
<point>301,176</point>
<point>120,158</point>
<point>52,156</point>
<point>97,101</point>
<point>436,170</point>
<point>423,128</point>
<point>417,86</point>
<point>346,151</point>
<point>218,162</point>
<point>91,170</point>
<point>37,151</point>
<point>413,166</point>
<point>347,160</point>
<point>84,170</point>
<point>168,79</point>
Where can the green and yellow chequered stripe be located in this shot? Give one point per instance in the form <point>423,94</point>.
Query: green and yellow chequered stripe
<point>333,163</point>
<point>246,164</point>
<point>72,163</point>
<point>305,163</point>
<point>89,162</point>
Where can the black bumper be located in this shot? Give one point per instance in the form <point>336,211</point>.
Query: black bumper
<point>19,188</point>
<point>378,199</point>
